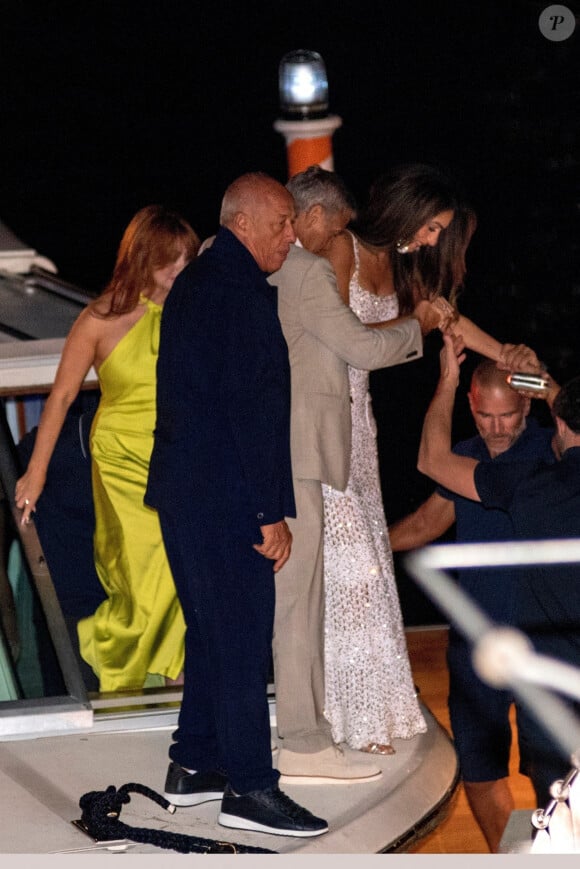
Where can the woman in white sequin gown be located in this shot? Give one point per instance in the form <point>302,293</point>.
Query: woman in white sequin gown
<point>409,245</point>
<point>370,695</point>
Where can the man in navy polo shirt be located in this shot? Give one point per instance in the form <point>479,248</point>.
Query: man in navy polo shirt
<point>543,502</point>
<point>479,714</point>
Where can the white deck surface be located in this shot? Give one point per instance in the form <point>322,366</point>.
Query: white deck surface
<point>42,780</point>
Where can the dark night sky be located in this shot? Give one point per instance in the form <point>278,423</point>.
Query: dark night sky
<point>109,106</point>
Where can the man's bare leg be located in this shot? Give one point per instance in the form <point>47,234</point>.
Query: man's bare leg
<point>491,803</point>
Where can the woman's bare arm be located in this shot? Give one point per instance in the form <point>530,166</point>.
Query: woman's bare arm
<point>509,356</point>
<point>77,358</point>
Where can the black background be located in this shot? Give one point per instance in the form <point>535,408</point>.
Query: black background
<point>109,106</point>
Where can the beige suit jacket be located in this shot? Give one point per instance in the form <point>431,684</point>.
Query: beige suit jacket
<point>324,336</point>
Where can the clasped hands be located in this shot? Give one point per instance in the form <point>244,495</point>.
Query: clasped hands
<point>435,313</point>
<point>439,313</point>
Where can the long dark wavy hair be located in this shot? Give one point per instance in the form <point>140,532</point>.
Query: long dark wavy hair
<point>399,203</point>
<point>155,237</point>
<point>440,270</point>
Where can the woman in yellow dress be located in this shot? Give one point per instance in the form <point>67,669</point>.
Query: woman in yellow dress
<point>136,636</point>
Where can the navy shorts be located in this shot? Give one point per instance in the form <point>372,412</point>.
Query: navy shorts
<point>479,718</point>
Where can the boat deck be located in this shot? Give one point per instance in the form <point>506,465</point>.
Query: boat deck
<point>42,780</point>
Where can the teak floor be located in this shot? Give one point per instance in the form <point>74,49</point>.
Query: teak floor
<point>458,834</point>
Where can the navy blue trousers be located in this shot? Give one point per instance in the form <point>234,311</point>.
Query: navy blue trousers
<point>479,716</point>
<point>227,594</point>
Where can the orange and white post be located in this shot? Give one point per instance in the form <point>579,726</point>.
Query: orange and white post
<point>308,143</point>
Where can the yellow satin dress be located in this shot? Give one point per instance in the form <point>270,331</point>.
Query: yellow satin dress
<point>139,629</point>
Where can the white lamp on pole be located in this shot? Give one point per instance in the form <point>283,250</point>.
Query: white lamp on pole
<point>305,122</point>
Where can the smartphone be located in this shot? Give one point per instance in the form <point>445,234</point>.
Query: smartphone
<point>531,382</point>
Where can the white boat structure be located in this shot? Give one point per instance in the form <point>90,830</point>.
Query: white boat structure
<point>58,744</point>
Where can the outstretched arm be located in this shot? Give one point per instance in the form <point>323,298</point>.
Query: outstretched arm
<point>429,521</point>
<point>324,315</point>
<point>512,357</point>
<point>77,357</point>
<point>430,316</point>
<point>436,458</point>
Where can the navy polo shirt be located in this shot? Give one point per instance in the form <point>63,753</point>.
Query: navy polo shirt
<point>494,588</point>
<point>543,502</point>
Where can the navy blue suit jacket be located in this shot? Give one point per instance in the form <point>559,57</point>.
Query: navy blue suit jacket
<point>221,453</point>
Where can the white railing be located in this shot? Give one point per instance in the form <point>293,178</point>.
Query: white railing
<point>27,366</point>
<point>504,658</point>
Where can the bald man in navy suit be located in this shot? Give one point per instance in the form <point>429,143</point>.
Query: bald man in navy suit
<point>221,480</point>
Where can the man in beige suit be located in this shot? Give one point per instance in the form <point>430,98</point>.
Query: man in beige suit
<point>324,336</point>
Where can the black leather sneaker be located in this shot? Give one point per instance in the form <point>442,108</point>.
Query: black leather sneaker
<point>268,811</point>
<point>183,788</point>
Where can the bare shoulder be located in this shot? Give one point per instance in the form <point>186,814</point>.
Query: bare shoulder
<point>99,308</point>
<point>91,321</point>
<point>94,324</point>
<point>340,254</point>
<point>340,251</point>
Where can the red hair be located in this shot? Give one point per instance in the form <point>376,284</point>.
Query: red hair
<point>154,238</point>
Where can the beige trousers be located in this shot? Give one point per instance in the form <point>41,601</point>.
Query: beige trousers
<point>298,645</point>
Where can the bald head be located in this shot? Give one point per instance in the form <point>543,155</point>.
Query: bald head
<point>260,213</point>
<point>487,376</point>
<point>499,412</point>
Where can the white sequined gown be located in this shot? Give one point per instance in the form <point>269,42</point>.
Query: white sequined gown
<point>370,695</point>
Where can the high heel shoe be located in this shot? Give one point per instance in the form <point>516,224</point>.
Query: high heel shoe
<point>378,748</point>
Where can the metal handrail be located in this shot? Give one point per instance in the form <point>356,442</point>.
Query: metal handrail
<point>504,657</point>
<point>40,578</point>
<point>39,277</point>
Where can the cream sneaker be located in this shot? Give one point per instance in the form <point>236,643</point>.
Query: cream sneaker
<point>332,765</point>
